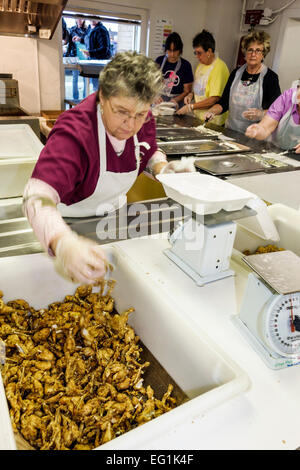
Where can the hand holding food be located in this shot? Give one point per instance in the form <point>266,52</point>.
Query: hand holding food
<point>208,116</point>
<point>82,259</point>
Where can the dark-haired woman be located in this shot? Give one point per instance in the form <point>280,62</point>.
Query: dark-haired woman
<point>210,78</point>
<point>177,72</point>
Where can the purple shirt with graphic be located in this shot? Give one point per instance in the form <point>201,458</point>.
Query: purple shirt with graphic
<point>70,161</point>
<point>184,74</point>
<point>281,106</point>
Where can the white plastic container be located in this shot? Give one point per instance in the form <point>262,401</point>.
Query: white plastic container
<point>287,223</point>
<point>204,194</point>
<point>199,367</point>
<point>19,151</point>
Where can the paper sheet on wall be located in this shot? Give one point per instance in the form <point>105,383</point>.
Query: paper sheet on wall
<point>163,27</point>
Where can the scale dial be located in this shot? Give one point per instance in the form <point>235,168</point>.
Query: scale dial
<point>281,324</point>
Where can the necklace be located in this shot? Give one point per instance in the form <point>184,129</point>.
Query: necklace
<point>250,77</point>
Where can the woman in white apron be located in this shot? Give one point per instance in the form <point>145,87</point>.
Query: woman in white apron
<point>210,78</point>
<point>250,89</point>
<point>282,122</point>
<point>92,157</point>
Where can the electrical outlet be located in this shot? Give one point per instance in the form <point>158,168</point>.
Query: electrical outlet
<point>44,33</point>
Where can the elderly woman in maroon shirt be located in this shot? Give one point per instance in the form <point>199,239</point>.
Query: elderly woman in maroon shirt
<point>92,157</point>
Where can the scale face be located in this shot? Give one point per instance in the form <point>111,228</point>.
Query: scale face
<point>270,312</point>
<point>281,320</point>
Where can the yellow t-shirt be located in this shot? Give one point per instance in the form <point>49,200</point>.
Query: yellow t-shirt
<point>210,80</point>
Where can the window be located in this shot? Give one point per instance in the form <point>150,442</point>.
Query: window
<point>81,69</point>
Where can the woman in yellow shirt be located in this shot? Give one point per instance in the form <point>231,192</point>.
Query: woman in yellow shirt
<point>210,79</point>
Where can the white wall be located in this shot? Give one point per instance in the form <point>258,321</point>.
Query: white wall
<point>36,64</point>
<point>223,21</point>
<point>281,55</point>
<point>19,56</point>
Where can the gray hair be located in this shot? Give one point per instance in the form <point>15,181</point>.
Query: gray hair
<point>261,37</point>
<point>132,75</point>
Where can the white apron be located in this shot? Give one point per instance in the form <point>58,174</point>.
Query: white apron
<point>200,83</point>
<point>169,82</point>
<point>287,134</point>
<point>110,192</point>
<point>244,97</point>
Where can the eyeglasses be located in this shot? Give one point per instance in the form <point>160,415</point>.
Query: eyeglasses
<point>254,51</point>
<point>198,53</point>
<point>125,116</point>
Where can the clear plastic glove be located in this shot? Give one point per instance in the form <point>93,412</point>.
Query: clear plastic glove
<point>188,98</point>
<point>297,148</point>
<point>208,116</point>
<point>185,165</point>
<point>252,131</point>
<point>175,104</point>
<point>253,114</point>
<point>82,259</point>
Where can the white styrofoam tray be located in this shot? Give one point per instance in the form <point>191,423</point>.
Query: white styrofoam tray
<point>19,150</point>
<point>199,367</point>
<point>287,223</point>
<point>204,194</point>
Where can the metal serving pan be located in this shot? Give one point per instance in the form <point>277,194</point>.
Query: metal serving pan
<point>170,134</point>
<point>234,164</point>
<point>239,163</point>
<point>202,147</point>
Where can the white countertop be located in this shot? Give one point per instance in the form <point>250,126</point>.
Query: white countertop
<point>266,416</point>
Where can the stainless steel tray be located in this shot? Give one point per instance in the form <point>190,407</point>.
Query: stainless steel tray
<point>234,164</point>
<point>170,134</point>
<point>202,147</point>
<point>281,270</point>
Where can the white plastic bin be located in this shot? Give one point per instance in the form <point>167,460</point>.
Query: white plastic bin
<point>198,366</point>
<point>287,223</point>
<point>19,151</point>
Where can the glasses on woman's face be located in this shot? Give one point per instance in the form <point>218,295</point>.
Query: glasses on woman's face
<point>254,51</point>
<point>198,53</point>
<point>125,116</point>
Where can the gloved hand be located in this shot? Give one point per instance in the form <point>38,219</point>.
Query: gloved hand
<point>175,103</point>
<point>188,98</point>
<point>297,148</point>
<point>185,165</point>
<point>184,109</point>
<point>82,259</point>
<point>253,114</point>
<point>208,116</point>
<point>252,131</point>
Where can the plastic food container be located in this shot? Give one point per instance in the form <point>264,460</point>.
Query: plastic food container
<point>287,223</point>
<point>19,151</point>
<point>199,367</point>
<point>204,194</point>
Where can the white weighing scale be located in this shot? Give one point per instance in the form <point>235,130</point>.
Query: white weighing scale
<point>202,245</point>
<point>270,313</point>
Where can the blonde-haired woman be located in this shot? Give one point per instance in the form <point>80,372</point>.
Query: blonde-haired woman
<point>251,89</point>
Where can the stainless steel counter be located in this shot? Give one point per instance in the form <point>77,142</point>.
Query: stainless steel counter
<point>133,221</point>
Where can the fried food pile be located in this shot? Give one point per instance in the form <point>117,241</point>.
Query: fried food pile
<point>263,249</point>
<point>73,372</point>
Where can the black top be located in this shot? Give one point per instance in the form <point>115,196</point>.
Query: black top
<point>75,31</point>
<point>271,88</point>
